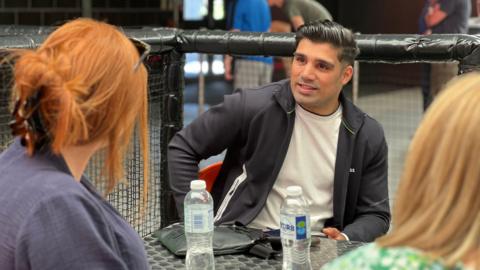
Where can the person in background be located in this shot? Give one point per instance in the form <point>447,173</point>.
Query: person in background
<point>74,96</point>
<point>248,71</point>
<point>436,220</point>
<point>443,17</point>
<point>301,131</point>
<point>425,78</point>
<point>280,24</point>
<point>302,11</point>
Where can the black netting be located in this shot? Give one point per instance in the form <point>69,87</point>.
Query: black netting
<point>164,118</point>
<point>5,84</point>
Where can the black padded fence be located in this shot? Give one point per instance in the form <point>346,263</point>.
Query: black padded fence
<point>166,85</point>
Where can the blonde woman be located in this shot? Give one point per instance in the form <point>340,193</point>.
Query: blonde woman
<point>82,91</point>
<point>436,222</point>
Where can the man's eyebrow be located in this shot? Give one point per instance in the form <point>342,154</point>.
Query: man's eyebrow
<point>319,61</point>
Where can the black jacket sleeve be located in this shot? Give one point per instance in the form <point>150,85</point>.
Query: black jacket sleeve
<point>208,135</point>
<point>372,209</point>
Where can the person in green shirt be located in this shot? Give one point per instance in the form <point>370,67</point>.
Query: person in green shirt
<point>436,220</point>
<point>300,12</point>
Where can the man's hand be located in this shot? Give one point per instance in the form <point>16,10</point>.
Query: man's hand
<point>333,233</point>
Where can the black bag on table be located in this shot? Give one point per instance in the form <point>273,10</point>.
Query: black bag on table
<point>227,239</point>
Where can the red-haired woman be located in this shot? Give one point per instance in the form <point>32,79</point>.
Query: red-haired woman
<point>82,91</point>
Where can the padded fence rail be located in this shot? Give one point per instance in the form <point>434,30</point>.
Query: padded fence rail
<point>166,85</point>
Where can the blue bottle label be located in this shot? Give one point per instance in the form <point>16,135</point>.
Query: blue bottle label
<point>294,227</point>
<point>301,227</point>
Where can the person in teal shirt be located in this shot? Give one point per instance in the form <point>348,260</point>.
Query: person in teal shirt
<point>436,220</point>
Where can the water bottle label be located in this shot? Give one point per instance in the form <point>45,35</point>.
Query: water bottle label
<point>198,218</point>
<point>294,227</point>
<point>301,227</point>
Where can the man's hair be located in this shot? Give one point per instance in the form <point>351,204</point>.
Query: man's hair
<point>333,33</point>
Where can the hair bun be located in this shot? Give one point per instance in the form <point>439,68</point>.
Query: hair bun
<point>45,100</point>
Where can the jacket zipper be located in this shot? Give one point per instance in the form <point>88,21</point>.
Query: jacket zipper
<point>238,181</point>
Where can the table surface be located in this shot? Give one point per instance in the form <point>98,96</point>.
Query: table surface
<point>161,258</point>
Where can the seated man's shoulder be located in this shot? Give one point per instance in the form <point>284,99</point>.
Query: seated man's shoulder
<point>370,131</point>
<point>266,89</point>
<point>370,127</point>
<point>373,125</point>
<point>263,94</point>
<point>373,132</point>
<point>251,101</point>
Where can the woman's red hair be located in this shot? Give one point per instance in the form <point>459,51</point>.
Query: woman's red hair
<point>87,92</point>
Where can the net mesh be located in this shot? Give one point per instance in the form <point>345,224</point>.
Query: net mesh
<point>399,111</point>
<point>127,196</point>
<point>5,84</point>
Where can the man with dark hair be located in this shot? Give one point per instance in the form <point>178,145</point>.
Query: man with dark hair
<point>301,131</point>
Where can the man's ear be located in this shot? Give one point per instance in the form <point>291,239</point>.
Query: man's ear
<point>347,74</point>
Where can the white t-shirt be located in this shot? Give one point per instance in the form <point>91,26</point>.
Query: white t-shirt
<point>310,163</point>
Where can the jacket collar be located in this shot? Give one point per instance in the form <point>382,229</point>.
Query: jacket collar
<point>352,116</point>
<point>284,96</point>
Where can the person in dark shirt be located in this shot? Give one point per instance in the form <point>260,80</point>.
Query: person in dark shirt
<point>81,92</point>
<point>442,17</point>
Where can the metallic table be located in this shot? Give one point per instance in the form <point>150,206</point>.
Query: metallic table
<point>160,258</point>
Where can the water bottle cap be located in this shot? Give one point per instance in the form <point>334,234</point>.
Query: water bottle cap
<point>294,190</point>
<point>198,184</point>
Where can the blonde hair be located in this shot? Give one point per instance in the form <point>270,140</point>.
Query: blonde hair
<point>84,89</point>
<point>437,208</point>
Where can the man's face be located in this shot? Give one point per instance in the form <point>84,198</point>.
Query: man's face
<point>317,76</point>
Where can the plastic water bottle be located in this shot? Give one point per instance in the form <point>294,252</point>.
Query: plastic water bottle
<point>198,214</point>
<point>295,230</point>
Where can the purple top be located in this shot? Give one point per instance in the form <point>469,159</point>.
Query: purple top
<point>50,221</point>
